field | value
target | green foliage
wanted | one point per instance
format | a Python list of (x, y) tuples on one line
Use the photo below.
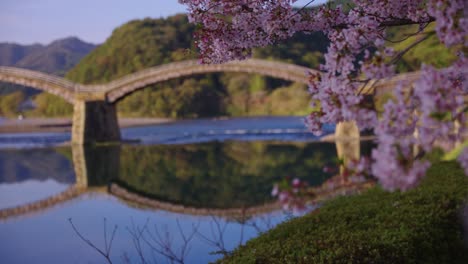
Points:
[(454, 153), (430, 51), (418, 226), (302, 49), (289, 100), (52, 106), (189, 99), (9, 103), (136, 45)]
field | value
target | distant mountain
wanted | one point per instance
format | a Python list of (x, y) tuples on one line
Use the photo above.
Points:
[(56, 58), (11, 53)]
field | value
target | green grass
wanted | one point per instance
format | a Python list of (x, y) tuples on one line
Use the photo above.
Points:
[(456, 151), (419, 226)]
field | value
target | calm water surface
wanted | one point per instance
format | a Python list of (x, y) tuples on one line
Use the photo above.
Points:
[(208, 181)]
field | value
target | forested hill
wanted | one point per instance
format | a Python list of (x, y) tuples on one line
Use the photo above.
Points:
[(140, 44), (134, 46), (144, 43)]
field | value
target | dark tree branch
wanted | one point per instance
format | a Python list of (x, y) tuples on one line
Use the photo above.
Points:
[(414, 44), (106, 252), (407, 36), (137, 234)]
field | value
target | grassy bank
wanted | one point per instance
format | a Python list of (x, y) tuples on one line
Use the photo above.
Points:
[(419, 226)]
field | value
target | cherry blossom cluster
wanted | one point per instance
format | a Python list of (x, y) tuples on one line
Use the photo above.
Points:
[(452, 20), (395, 155), (359, 170), (232, 28), (441, 105), (433, 110), (291, 195)]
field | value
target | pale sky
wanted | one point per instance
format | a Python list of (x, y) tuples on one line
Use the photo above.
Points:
[(42, 21)]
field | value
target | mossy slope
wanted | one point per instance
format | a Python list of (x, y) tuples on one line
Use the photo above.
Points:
[(419, 226)]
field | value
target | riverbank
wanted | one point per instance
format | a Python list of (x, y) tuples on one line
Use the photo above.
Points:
[(64, 124), (423, 225)]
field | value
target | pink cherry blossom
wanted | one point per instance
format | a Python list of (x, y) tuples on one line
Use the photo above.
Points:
[(357, 53)]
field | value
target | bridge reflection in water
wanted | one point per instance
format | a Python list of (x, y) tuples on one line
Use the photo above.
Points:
[(230, 179)]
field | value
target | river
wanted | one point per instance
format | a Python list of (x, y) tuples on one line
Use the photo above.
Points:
[(187, 190)]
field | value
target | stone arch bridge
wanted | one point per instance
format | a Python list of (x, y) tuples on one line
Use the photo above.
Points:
[(95, 117)]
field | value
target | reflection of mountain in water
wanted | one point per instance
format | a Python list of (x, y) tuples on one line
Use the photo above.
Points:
[(17, 165), (220, 175)]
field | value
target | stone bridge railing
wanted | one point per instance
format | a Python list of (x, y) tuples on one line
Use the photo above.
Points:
[(123, 86), (38, 206), (41, 81), (142, 201), (119, 88), (115, 90)]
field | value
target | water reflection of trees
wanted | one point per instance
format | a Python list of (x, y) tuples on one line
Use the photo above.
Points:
[(220, 175)]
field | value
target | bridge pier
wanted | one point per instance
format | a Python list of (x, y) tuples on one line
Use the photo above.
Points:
[(95, 166), (347, 138), (94, 122)]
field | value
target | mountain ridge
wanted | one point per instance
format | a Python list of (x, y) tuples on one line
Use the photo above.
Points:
[(56, 57)]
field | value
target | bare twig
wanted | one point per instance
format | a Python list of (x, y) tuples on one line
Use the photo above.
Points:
[(217, 237), (137, 234), (302, 8), (266, 220), (162, 243), (108, 245)]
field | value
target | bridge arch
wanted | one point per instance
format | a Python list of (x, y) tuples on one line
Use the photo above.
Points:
[(117, 89), (126, 85), (41, 81)]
